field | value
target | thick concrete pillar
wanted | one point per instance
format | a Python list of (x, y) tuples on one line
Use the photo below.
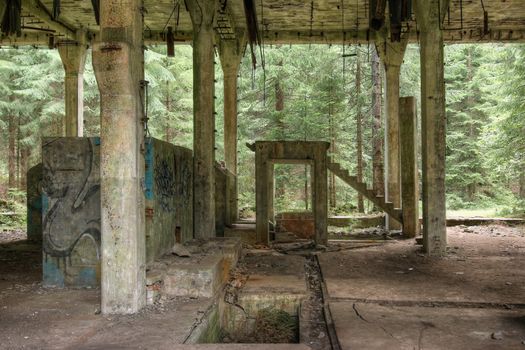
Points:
[(73, 55), (433, 124), (391, 55), (409, 172), (263, 181), (320, 196), (202, 13), (230, 53), (118, 61)]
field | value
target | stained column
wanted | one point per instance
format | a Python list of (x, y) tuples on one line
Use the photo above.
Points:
[(73, 55), (391, 55), (118, 61), (202, 13), (230, 53), (433, 124), (409, 172)]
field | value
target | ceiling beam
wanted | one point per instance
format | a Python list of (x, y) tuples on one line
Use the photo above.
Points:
[(37, 9)]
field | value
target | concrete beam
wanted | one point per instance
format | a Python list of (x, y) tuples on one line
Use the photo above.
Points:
[(409, 171), (391, 55), (118, 61), (73, 56), (202, 14), (433, 124), (37, 9)]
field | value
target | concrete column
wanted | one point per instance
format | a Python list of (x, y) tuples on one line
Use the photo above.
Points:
[(409, 172), (73, 55), (118, 61), (230, 53), (202, 13), (391, 55), (262, 192), (320, 197), (433, 124)]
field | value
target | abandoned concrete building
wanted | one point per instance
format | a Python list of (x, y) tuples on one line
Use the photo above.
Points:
[(141, 241)]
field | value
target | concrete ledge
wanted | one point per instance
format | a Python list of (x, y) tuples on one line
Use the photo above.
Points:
[(204, 273)]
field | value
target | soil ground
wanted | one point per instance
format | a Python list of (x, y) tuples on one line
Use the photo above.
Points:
[(381, 296)]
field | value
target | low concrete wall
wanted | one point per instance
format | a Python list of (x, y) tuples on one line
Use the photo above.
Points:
[(70, 205), (300, 223)]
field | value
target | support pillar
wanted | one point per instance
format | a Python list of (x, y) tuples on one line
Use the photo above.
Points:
[(433, 124), (118, 61), (391, 55), (409, 172), (230, 53), (320, 196), (73, 55), (202, 13), (263, 190)]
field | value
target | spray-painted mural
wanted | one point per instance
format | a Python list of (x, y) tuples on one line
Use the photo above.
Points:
[(71, 211)]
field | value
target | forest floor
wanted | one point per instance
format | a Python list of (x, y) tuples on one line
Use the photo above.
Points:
[(381, 296)]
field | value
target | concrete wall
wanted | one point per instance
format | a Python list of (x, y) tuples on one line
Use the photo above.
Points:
[(169, 196), (71, 211), (71, 206), (225, 194)]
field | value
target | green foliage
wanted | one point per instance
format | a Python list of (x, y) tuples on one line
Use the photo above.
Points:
[(485, 108), (13, 210)]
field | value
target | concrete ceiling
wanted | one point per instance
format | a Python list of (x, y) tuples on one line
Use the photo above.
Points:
[(280, 21)]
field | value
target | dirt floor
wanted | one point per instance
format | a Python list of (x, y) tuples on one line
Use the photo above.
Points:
[(384, 295)]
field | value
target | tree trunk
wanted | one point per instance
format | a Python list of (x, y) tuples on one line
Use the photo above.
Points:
[(18, 153), (522, 185), (359, 136), (24, 157), (12, 152), (377, 137)]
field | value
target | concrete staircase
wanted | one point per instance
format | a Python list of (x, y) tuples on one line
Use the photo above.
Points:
[(368, 193)]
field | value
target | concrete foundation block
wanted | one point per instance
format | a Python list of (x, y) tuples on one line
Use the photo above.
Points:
[(195, 279)]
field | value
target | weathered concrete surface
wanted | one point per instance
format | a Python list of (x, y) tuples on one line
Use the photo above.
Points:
[(391, 55), (269, 152), (373, 326), (246, 232), (71, 205), (204, 273), (300, 223), (34, 203), (202, 13), (118, 62), (357, 221), (71, 211), (73, 55), (275, 274), (433, 125), (230, 54), (409, 173), (484, 266), (168, 193), (221, 199)]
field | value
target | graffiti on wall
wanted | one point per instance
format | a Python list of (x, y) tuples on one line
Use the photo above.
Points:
[(71, 211), (164, 182)]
